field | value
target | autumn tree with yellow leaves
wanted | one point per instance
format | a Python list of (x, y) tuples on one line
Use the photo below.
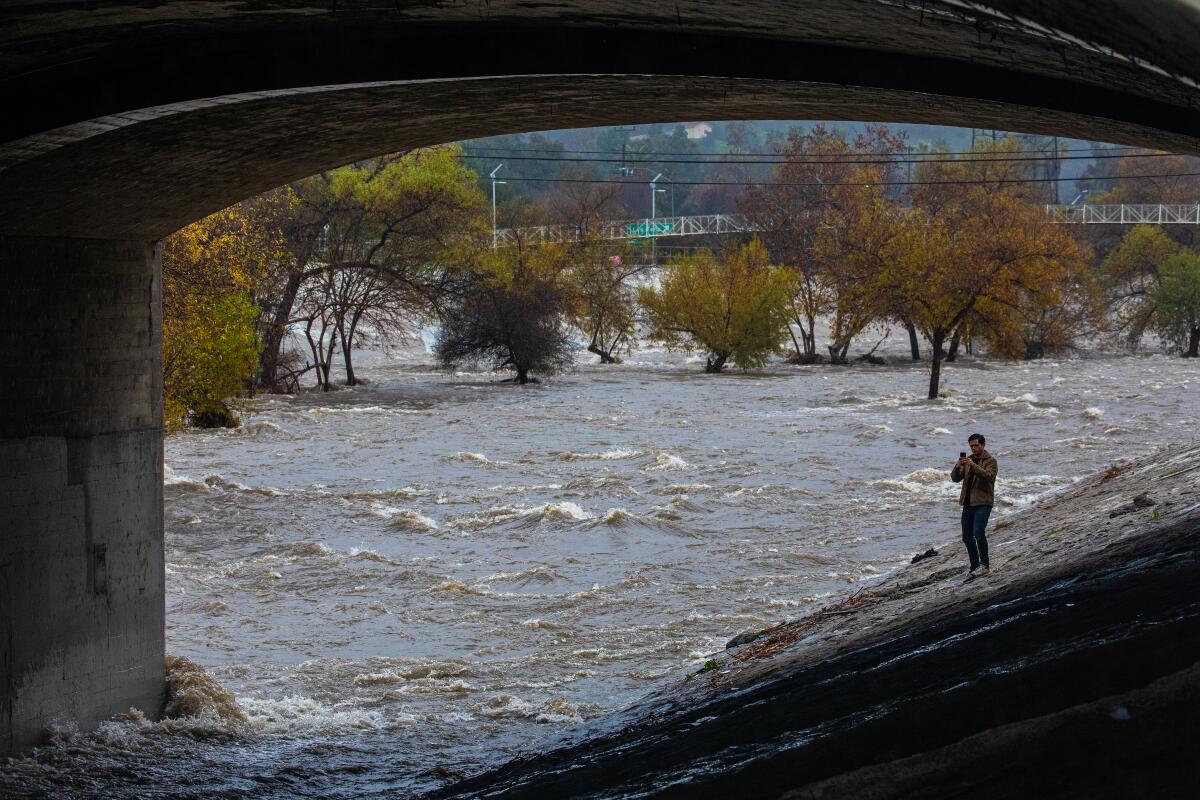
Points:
[(816, 220), (210, 340), (733, 307), (973, 249)]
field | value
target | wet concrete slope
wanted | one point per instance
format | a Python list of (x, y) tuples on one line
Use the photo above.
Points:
[(1093, 598)]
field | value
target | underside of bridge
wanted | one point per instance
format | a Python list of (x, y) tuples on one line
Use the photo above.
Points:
[(124, 122)]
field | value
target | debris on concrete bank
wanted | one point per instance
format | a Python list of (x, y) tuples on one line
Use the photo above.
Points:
[(1139, 502), (919, 557), (745, 637)]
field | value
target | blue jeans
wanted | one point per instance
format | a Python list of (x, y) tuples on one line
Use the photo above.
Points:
[(974, 520)]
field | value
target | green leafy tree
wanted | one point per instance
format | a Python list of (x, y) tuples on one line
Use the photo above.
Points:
[(1130, 277), (1177, 301), (209, 355), (606, 300), (732, 308)]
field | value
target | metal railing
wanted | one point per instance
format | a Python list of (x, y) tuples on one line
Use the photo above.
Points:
[(1125, 214), (615, 230), (718, 224)]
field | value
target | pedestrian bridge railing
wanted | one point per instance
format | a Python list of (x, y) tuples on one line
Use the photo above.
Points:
[(1126, 214), (718, 224)]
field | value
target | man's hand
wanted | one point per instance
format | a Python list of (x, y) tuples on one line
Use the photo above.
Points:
[(964, 463)]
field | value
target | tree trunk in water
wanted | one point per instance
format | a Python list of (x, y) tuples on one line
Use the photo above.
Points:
[(913, 344), (605, 357), (715, 364), (935, 372), (795, 344), (1193, 350), (327, 363), (810, 338), (837, 353), (350, 379), (805, 353), (953, 354), (522, 375), (268, 359)]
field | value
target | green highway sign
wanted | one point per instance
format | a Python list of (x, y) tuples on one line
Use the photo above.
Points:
[(649, 228)]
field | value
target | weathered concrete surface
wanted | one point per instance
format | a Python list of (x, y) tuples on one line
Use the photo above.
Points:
[(185, 107), (1082, 610), (1134, 744), (81, 561)]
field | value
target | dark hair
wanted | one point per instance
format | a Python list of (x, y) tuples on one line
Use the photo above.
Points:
[(978, 436)]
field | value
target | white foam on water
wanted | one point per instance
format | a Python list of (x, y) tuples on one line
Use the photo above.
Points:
[(928, 475), (667, 461), (348, 409), (312, 549), (403, 518), (564, 511), (173, 478), (608, 455), (299, 715), (216, 481), (617, 516), (539, 624), (477, 458), (686, 488), (1093, 413), (365, 554), (261, 428), (507, 706)]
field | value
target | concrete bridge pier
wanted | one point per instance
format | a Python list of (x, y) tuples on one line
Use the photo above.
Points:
[(81, 554)]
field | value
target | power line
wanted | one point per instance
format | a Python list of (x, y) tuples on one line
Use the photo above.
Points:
[(978, 182), (505, 150), (826, 159)]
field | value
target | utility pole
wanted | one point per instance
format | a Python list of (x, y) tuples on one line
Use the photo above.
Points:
[(1056, 183), (494, 182), (624, 131)]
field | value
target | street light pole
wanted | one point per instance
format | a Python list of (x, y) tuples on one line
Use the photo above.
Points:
[(494, 182), (653, 214)]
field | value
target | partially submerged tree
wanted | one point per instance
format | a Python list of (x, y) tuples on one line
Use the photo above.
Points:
[(210, 346), (606, 299), (855, 251), (1130, 277), (510, 315), (374, 247), (1177, 301), (600, 275), (732, 308), (974, 255), (815, 214)]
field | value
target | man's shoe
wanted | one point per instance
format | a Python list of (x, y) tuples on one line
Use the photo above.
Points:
[(985, 570)]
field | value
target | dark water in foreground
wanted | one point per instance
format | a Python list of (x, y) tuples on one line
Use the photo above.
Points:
[(414, 580)]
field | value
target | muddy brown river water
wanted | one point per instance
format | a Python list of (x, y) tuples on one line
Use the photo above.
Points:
[(414, 580)]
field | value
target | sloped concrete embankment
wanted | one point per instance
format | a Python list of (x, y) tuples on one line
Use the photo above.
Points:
[(1073, 670)]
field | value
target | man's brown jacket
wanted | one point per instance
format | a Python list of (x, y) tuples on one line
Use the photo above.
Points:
[(979, 488)]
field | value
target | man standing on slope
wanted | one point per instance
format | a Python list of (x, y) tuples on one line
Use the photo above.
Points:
[(978, 475)]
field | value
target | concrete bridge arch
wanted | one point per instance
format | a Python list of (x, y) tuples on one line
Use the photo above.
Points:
[(125, 123)]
